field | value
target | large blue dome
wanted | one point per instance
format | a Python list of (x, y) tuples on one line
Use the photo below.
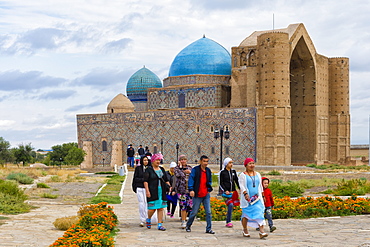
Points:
[(139, 82), (202, 57)]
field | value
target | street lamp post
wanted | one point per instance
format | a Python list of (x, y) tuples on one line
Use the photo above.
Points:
[(222, 133), (177, 151), (162, 150)]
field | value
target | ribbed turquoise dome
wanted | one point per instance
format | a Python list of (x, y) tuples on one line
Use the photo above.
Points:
[(139, 82), (202, 57)]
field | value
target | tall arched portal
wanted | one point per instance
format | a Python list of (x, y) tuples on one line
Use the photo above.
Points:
[(303, 104)]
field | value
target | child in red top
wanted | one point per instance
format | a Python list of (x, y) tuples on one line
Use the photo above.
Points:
[(269, 202)]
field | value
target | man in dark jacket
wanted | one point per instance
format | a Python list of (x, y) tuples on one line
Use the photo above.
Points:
[(130, 155), (200, 186), (141, 151)]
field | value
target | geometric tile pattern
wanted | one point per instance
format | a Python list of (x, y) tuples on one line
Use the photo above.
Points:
[(192, 129), (168, 98), (196, 79)]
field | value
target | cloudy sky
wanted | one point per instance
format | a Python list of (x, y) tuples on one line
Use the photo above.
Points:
[(62, 58)]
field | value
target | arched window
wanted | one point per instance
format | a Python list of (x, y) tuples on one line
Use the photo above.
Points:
[(251, 58), (182, 100), (104, 145), (227, 150)]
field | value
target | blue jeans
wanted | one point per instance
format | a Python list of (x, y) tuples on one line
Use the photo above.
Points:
[(131, 161), (268, 216), (230, 208), (206, 201)]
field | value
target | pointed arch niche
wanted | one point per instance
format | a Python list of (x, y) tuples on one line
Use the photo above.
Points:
[(303, 104)]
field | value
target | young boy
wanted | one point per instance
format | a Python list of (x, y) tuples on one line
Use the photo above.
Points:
[(269, 202)]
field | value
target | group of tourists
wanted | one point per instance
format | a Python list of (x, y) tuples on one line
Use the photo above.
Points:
[(189, 187), (133, 158)]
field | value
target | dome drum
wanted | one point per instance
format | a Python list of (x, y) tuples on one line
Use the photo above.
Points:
[(196, 79)]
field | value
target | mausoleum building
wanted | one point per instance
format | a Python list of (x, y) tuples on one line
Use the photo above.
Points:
[(282, 102)]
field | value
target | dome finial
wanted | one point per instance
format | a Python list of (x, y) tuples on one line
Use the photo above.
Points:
[(204, 35), (144, 65)]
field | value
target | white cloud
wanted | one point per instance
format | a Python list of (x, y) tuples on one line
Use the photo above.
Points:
[(6, 123)]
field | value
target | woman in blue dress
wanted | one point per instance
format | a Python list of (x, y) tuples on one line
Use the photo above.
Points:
[(251, 199), (155, 183)]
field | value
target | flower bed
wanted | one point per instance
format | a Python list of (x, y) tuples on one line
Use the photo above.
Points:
[(303, 207), (96, 227)]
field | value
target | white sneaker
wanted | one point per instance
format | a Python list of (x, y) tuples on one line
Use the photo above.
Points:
[(183, 224)]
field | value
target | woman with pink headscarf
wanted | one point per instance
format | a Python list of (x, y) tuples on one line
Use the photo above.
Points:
[(251, 199), (155, 183)]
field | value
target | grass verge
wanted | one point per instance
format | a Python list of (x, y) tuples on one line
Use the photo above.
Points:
[(110, 193)]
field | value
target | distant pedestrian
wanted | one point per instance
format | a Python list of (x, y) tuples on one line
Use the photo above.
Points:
[(139, 189), (251, 199), (141, 151), (200, 186), (228, 183), (148, 153), (137, 159), (171, 195), (155, 181), (130, 155), (182, 173)]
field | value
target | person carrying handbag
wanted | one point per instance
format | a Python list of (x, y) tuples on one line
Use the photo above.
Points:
[(228, 183)]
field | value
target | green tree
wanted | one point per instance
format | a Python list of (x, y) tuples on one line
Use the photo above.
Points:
[(23, 153), (75, 156), (67, 153), (5, 154)]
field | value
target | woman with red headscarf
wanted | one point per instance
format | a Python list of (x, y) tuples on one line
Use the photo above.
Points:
[(155, 183), (251, 199)]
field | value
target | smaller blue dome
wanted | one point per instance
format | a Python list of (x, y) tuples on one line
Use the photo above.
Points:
[(202, 57), (139, 82)]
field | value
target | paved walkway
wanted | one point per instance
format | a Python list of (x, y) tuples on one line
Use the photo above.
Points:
[(35, 229)]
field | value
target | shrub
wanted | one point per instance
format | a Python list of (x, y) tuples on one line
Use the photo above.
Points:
[(65, 222), (20, 178), (303, 207), (352, 187), (55, 179), (289, 189), (12, 198), (48, 195), (99, 214), (320, 207), (96, 227), (274, 172), (42, 185)]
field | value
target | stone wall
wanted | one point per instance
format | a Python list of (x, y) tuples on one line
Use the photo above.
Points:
[(191, 129)]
